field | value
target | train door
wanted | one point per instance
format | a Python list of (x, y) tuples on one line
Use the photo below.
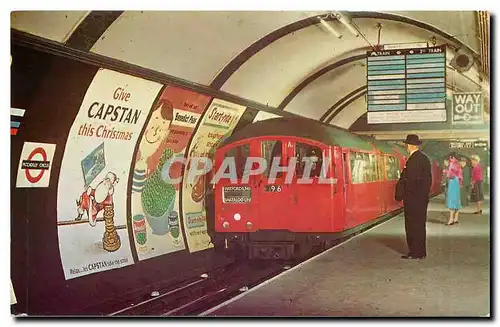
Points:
[(345, 173), (363, 197), (385, 191), (312, 197), (274, 210), (340, 172), (389, 174), (349, 219), (373, 186)]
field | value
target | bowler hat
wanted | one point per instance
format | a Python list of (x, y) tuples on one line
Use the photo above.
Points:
[(412, 139)]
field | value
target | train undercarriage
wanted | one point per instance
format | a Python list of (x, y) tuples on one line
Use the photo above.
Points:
[(276, 245)]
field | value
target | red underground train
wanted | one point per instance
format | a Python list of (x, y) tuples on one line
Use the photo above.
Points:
[(279, 220)]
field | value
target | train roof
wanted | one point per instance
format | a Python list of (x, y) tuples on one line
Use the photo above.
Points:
[(400, 149), (381, 145), (300, 127), (431, 156)]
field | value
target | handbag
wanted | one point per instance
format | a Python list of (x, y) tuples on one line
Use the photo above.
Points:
[(473, 194)]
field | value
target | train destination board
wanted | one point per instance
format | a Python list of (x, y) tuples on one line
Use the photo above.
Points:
[(407, 85)]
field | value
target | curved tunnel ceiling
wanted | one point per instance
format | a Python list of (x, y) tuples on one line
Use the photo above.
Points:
[(191, 45), (207, 47), (53, 25), (460, 24)]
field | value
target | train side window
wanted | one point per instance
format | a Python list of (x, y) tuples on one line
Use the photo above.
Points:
[(302, 151), (346, 175), (239, 155), (392, 168), (368, 168), (355, 168), (379, 174), (372, 168), (359, 165), (365, 168), (334, 168), (269, 150), (380, 165), (388, 167), (397, 171)]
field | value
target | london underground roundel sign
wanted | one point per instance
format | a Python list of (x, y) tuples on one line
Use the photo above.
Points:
[(35, 165)]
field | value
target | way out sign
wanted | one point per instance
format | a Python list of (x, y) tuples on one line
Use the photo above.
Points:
[(467, 108), (35, 165)]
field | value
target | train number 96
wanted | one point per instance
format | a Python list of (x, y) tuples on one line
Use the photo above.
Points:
[(273, 188)]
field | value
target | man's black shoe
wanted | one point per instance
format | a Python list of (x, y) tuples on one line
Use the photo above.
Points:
[(409, 256)]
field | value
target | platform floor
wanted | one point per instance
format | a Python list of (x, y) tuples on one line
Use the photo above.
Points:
[(365, 277)]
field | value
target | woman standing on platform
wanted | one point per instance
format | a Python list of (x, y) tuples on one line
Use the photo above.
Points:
[(455, 178), (466, 186), (477, 184)]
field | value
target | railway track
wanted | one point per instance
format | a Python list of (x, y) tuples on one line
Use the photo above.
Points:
[(193, 296)]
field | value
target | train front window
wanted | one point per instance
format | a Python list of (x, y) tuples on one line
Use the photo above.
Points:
[(239, 155), (271, 149)]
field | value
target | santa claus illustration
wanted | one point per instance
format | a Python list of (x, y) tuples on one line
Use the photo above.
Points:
[(93, 201)]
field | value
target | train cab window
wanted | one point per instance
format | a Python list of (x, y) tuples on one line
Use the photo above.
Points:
[(270, 150), (240, 155), (302, 151)]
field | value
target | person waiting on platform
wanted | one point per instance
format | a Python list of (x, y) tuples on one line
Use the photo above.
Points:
[(455, 179), (416, 181), (477, 184), (466, 185)]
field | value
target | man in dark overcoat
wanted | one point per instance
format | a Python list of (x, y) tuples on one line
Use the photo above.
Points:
[(417, 183)]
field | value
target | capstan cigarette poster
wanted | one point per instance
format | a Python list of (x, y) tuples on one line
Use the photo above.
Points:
[(155, 215), (217, 124), (92, 189)]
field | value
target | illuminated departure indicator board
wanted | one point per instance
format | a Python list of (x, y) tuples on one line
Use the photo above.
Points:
[(406, 85)]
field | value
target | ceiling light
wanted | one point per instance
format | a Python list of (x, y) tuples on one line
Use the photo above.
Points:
[(347, 23), (329, 27)]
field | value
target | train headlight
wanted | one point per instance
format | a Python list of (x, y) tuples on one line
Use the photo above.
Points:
[(237, 216), (249, 225), (225, 224)]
